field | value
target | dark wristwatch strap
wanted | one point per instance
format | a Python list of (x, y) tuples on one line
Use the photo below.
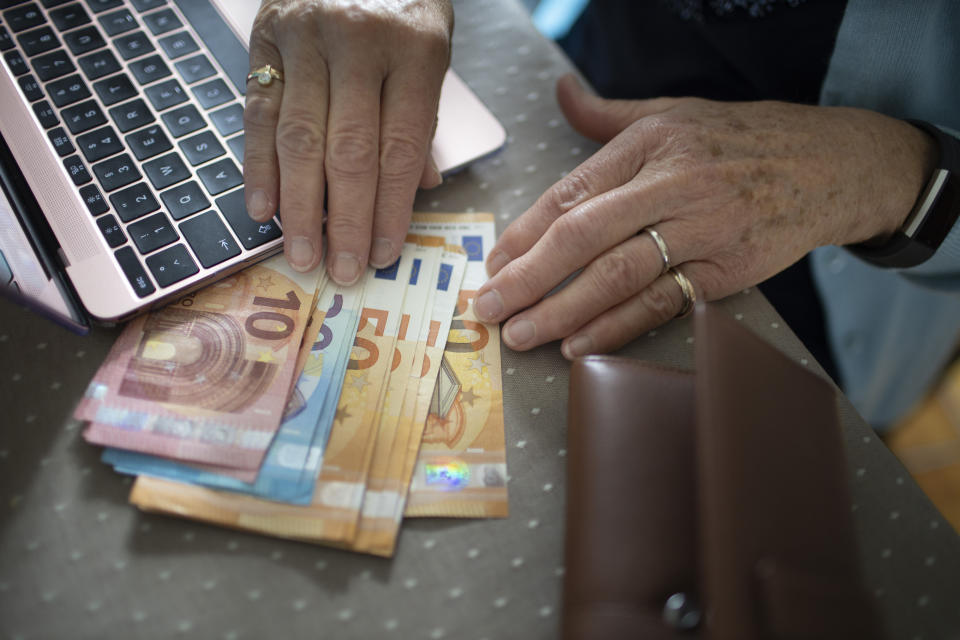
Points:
[(933, 216)]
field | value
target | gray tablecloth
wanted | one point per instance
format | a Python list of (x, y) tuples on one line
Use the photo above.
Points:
[(76, 561)]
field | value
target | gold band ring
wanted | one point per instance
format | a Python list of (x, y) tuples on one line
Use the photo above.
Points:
[(686, 288), (265, 75), (661, 247)]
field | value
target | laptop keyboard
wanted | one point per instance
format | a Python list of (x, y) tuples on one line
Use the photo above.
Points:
[(146, 127)]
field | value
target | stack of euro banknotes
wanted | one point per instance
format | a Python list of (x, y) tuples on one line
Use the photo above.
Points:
[(285, 404)]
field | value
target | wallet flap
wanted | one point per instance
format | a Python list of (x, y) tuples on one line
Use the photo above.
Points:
[(799, 603), (773, 481), (630, 522)]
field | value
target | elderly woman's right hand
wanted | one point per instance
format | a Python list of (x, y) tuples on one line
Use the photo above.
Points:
[(353, 119)]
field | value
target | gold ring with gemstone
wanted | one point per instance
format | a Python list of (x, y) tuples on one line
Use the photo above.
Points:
[(686, 288), (265, 75)]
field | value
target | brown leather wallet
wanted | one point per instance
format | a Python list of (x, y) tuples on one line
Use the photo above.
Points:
[(709, 504)]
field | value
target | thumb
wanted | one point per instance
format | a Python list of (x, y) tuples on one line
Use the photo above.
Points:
[(598, 118)]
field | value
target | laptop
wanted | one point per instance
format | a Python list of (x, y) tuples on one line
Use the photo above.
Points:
[(121, 151)]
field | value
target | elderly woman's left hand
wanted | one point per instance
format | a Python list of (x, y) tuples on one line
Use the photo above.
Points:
[(737, 191)]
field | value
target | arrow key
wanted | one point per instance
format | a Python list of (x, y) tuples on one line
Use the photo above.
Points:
[(209, 238)]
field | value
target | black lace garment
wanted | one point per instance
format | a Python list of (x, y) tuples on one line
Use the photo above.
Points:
[(696, 9), (720, 49)]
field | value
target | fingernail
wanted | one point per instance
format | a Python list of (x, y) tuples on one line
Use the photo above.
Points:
[(346, 268), (382, 253), (258, 205), (489, 306), (519, 333), (434, 179), (576, 347), (496, 261), (300, 253)]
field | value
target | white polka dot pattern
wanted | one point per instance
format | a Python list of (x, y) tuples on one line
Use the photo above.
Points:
[(77, 561)]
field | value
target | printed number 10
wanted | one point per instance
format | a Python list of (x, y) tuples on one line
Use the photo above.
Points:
[(292, 303)]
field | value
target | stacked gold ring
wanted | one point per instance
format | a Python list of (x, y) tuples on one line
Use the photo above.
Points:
[(686, 288)]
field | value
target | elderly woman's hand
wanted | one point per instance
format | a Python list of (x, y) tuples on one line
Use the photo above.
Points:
[(353, 119), (736, 191)]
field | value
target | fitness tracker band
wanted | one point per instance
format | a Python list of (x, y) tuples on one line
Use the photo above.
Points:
[(932, 217)]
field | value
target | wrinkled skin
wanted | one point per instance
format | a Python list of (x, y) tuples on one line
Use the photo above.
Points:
[(738, 191), (351, 121)]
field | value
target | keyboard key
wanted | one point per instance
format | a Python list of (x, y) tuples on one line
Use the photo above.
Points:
[(132, 115), (23, 18), (228, 120), (220, 176), (94, 200), (46, 115), (52, 65), (50, 4), (209, 239), (83, 117), (196, 68), (30, 87), (6, 42), (99, 144), (61, 141), (152, 233), (165, 94), (111, 231), (184, 200), (84, 40), (251, 234), (102, 5), (237, 146), (70, 16), (148, 142), (134, 271), (38, 41), (166, 171), (184, 120), (99, 64), (147, 5), (118, 171), (16, 63), (118, 22), (202, 147), (115, 89), (133, 45), (68, 90), (172, 265), (178, 44), (147, 70), (162, 21), (213, 93), (77, 170), (134, 202)]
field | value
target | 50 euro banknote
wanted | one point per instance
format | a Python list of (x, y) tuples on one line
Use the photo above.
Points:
[(460, 469), (390, 475), (206, 379)]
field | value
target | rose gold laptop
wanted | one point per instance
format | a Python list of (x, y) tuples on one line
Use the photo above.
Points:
[(121, 149)]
